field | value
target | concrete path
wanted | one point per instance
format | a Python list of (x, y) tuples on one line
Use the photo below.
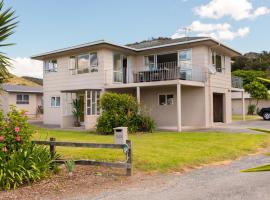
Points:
[(209, 183), (237, 127)]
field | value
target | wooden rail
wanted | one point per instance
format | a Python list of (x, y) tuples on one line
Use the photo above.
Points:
[(127, 148)]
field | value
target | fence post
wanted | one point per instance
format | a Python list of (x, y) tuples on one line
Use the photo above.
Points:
[(129, 160), (52, 147)]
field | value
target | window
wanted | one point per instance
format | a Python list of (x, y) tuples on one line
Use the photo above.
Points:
[(165, 99), (218, 61), (55, 102), (117, 68), (185, 59), (149, 62), (83, 63), (50, 66), (22, 99), (93, 102)]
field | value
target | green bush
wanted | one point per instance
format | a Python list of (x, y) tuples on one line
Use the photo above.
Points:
[(122, 110), (251, 109), (20, 160)]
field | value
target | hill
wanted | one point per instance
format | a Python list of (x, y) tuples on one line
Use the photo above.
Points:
[(15, 80), (38, 81)]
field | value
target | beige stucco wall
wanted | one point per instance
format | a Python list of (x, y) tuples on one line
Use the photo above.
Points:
[(51, 115), (4, 101)]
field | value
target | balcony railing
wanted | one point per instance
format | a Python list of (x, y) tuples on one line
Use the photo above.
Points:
[(169, 71), (237, 82)]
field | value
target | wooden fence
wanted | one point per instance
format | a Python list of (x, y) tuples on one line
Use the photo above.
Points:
[(127, 149)]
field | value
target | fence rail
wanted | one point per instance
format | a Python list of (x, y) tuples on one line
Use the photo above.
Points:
[(127, 149)]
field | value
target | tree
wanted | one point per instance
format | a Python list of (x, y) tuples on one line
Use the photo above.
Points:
[(256, 90), (248, 76), (7, 26)]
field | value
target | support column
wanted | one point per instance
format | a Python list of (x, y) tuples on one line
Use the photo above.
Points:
[(178, 99), (243, 106), (138, 93)]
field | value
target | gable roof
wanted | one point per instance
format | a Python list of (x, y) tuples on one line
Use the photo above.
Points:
[(22, 88), (139, 46)]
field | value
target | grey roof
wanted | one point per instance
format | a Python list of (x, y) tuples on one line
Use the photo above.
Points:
[(21, 88), (162, 41)]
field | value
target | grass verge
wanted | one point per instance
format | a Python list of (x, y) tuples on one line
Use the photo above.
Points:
[(260, 130), (162, 151), (248, 117)]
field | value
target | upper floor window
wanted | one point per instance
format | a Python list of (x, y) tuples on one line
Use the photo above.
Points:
[(218, 61), (22, 99), (50, 66), (55, 102), (150, 62), (84, 63), (185, 59)]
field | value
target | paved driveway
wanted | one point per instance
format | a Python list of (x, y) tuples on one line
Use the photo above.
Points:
[(209, 183), (238, 126)]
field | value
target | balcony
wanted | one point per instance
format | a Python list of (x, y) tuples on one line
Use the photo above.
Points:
[(237, 82), (169, 71)]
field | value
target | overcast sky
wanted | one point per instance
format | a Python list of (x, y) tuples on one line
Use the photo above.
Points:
[(53, 24)]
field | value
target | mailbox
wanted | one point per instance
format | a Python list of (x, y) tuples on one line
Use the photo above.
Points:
[(120, 135)]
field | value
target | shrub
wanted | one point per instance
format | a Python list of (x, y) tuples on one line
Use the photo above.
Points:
[(122, 110), (20, 160), (251, 109)]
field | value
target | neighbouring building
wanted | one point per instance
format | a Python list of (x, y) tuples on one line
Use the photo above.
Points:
[(183, 82), (237, 102), (28, 98)]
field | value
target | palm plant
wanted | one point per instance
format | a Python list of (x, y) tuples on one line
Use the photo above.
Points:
[(7, 25), (76, 111)]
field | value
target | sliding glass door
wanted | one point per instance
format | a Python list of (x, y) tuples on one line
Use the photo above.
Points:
[(119, 68)]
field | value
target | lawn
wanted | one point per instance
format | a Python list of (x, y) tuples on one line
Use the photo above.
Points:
[(162, 151), (248, 117)]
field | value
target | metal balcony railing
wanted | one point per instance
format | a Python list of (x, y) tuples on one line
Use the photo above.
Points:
[(169, 71), (237, 82)]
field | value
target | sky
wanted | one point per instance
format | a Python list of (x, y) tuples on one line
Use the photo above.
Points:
[(52, 24)]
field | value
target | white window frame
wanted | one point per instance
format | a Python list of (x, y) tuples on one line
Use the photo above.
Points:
[(148, 67), (223, 61), (23, 101), (55, 104), (89, 106), (166, 99), (121, 71), (50, 66), (73, 67), (189, 61)]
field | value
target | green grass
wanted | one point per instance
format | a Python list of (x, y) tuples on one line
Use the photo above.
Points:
[(162, 151), (248, 117)]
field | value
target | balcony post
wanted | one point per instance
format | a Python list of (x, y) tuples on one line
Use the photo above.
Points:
[(243, 106), (178, 99), (138, 93)]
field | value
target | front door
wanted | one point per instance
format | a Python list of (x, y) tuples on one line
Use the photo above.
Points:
[(81, 100), (218, 107)]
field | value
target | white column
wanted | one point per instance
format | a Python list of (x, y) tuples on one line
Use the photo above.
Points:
[(178, 99), (138, 92), (243, 106)]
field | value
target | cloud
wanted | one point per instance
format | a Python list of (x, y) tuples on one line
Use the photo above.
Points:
[(218, 31), (236, 9), (23, 66)]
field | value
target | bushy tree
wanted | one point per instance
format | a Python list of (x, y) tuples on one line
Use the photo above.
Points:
[(256, 90), (122, 110), (248, 76)]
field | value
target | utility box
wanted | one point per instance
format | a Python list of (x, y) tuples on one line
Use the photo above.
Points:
[(120, 135)]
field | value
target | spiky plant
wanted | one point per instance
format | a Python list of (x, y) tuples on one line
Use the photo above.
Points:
[(7, 25)]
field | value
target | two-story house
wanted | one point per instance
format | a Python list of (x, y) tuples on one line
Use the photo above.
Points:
[(183, 82)]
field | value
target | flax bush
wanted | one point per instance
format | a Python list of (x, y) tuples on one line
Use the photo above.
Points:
[(20, 161), (123, 110)]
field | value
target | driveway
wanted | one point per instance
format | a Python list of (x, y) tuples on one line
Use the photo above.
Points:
[(209, 183), (237, 127)]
